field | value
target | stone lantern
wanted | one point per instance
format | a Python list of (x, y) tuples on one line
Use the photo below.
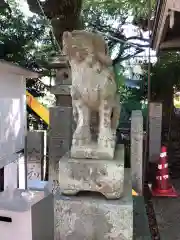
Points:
[(62, 81)]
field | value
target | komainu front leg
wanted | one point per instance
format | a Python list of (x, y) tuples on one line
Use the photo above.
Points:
[(82, 135), (106, 138)]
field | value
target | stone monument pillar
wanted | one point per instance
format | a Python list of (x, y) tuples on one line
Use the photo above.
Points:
[(35, 155), (155, 127), (93, 164), (137, 150)]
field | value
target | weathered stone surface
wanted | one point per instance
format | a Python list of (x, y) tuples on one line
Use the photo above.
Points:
[(106, 177), (34, 171), (61, 89), (137, 149), (35, 154), (94, 125), (93, 89), (60, 132), (59, 135), (90, 218), (155, 127), (63, 75), (64, 100), (35, 146), (94, 151)]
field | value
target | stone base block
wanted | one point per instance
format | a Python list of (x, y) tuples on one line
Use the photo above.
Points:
[(94, 218), (93, 151), (106, 177), (26, 217)]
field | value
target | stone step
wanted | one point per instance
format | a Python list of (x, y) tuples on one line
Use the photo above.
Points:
[(94, 217)]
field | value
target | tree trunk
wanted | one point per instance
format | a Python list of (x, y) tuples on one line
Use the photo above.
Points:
[(65, 15)]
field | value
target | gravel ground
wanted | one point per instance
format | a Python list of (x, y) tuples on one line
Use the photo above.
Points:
[(153, 225), (167, 212)]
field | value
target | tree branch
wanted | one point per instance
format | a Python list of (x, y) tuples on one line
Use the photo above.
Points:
[(138, 38), (120, 58)]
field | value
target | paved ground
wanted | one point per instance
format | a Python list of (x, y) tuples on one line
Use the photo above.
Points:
[(140, 224), (168, 215)]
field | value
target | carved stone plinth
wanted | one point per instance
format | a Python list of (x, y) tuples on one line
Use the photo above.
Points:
[(89, 218), (106, 177), (93, 151)]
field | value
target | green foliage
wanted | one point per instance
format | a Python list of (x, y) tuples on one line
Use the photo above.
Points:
[(116, 6), (18, 35), (25, 42), (112, 8), (101, 16), (131, 105), (141, 7), (164, 75), (28, 42), (119, 77), (109, 18)]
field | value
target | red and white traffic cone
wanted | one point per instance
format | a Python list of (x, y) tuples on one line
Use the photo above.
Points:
[(162, 186)]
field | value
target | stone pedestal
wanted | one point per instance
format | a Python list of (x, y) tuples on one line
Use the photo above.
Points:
[(93, 151), (92, 217), (90, 167), (23, 218), (106, 177)]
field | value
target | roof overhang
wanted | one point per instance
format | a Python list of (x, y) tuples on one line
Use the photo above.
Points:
[(162, 24), (8, 67)]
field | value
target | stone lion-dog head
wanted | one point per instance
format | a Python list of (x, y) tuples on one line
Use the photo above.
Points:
[(79, 44)]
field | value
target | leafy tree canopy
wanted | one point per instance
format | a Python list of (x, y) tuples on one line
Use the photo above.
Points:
[(29, 41)]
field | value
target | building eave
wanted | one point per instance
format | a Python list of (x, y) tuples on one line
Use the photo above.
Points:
[(12, 68), (162, 27), (159, 23)]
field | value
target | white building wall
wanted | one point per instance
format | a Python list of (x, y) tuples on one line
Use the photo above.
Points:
[(12, 116)]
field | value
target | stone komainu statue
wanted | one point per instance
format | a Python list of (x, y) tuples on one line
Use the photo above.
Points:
[(93, 89)]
